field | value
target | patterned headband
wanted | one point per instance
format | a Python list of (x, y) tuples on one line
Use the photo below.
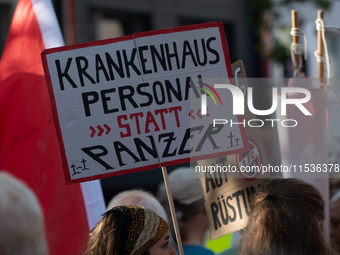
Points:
[(139, 228)]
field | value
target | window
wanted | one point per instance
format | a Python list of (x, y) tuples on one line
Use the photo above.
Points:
[(5, 22), (110, 24)]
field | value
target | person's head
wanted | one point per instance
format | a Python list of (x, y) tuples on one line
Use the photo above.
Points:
[(21, 219), (138, 197), (334, 215), (130, 230), (187, 193), (286, 218)]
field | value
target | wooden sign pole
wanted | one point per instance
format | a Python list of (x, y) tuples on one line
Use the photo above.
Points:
[(295, 24), (320, 49), (172, 210)]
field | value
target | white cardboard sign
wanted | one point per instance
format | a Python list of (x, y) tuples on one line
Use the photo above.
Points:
[(133, 103)]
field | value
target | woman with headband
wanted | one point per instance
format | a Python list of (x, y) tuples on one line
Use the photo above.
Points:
[(130, 230), (287, 217)]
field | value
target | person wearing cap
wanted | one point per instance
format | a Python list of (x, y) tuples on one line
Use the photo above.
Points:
[(187, 192), (130, 230)]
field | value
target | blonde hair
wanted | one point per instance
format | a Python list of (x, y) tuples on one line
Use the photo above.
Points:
[(125, 230), (104, 238)]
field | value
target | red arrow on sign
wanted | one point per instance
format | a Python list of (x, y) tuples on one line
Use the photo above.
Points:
[(198, 113), (190, 114), (101, 131), (93, 131), (107, 128)]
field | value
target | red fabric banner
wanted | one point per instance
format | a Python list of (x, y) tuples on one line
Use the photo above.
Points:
[(28, 142)]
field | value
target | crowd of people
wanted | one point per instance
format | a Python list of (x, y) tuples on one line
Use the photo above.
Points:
[(287, 216)]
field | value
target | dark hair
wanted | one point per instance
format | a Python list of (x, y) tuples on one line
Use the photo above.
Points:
[(285, 220)]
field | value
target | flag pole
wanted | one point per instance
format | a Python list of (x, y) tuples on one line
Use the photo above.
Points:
[(172, 210), (320, 49), (296, 39)]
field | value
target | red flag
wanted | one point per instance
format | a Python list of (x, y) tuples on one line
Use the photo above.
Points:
[(28, 142)]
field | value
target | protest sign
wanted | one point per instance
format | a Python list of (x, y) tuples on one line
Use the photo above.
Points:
[(127, 104), (229, 211), (228, 182)]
